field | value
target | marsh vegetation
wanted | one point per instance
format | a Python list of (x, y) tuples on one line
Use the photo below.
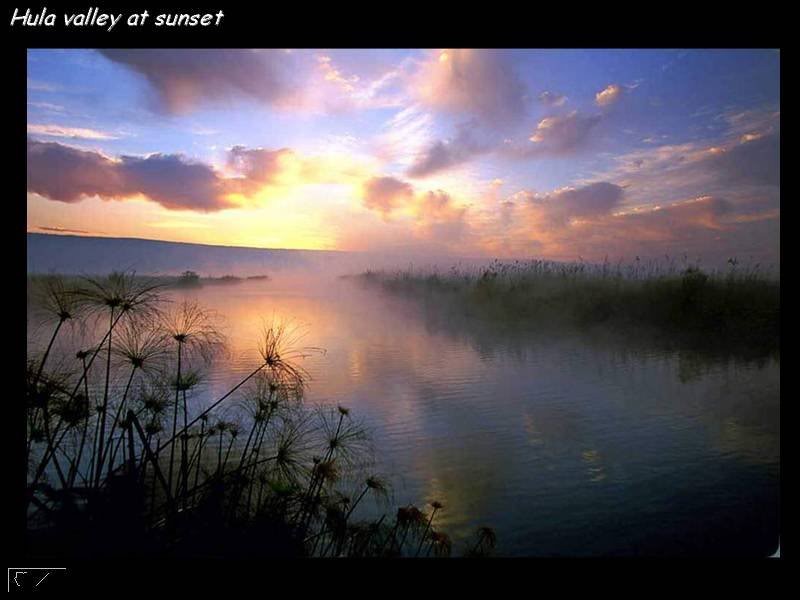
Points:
[(123, 460), (736, 309)]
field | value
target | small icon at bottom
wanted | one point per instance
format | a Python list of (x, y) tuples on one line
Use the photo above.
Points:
[(29, 579)]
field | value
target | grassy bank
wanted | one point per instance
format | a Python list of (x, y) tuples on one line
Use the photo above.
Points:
[(187, 279), (736, 306)]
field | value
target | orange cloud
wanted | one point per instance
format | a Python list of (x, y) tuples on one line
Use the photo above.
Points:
[(386, 194), (250, 175), (608, 95)]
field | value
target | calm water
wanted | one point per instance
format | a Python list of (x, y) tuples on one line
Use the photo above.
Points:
[(566, 444)]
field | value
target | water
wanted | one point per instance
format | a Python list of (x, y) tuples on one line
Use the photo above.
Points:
[(565, 443)]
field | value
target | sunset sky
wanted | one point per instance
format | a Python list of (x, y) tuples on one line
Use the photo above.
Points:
[(555, 154)]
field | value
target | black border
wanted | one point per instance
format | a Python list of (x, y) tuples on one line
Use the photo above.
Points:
[(303, 25)]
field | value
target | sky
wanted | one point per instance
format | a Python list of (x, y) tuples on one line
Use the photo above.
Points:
[(553, 154)]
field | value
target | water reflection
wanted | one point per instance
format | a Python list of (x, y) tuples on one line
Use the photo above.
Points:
[(564, 442)]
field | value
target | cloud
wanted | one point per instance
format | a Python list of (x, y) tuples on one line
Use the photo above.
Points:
[(427, 217), (419, 223), (41, 86), (405, 135), (442, 155), (609, 95), (479, 89), (754, 160), (257, 166), (174, 182), (70, 132), (63, 230), (68, 174), (331, 73), (439, 217), (185, 79), (478, 83), (386, 194), (590, 221), (249, 176), (47, 106), (561, 134), (742, 167), (693, 226), (716, 198), (552, 99), (559, 207), (667, 221)]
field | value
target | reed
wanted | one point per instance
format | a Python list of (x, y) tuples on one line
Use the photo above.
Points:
[(733, 307), (119, 453)]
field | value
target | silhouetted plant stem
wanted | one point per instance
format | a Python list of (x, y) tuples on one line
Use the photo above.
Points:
[(403, 539), (257, 453), (427, 528), (185, 446), (354, 504), (174, 419), (219, 453), (52, 445), (131, 448), (154, 460), (48, 454), (315, 488), (217, 403), (228, 451), (104, 409), (358, 549), (94, 355), (85, 425), (47, 352), (243, 457), (200, 451), (258, 500), (120, 410)]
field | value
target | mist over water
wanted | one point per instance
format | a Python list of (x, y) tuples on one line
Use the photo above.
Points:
[(566, 442)]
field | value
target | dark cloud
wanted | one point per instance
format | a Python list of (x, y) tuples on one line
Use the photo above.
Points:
[(68, 174), (62, 230), (184, 79), (591, 201), (386, 194), (173, 182), (563, 134), (754, 162), (442, 155), (674, 220)]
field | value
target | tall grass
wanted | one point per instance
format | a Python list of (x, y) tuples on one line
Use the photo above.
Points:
[(122, 459), (732, 306)]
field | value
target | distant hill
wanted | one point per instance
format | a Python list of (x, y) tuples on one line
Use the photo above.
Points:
[(77, 254)]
